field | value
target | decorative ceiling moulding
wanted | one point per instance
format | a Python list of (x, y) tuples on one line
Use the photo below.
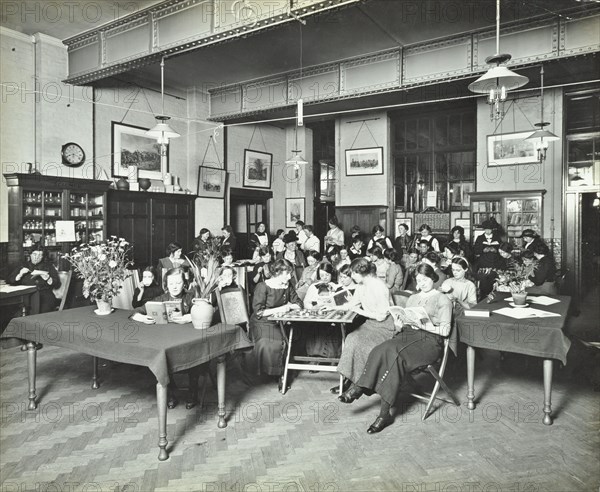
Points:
[(182, 23), (437, 60), (384, 66), (126, 43), (264, 95), (579, 35), (314, 84), (303, 8)]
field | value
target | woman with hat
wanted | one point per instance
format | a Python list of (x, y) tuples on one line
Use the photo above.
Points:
[(488, 259), (530, 239), (292, 254), (425, 231), (543, 276)]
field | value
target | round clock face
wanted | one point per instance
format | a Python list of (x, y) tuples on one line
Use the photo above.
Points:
[(72, 154)]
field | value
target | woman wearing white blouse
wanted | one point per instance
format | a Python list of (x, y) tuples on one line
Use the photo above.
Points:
[(460, 290), (334, 236)]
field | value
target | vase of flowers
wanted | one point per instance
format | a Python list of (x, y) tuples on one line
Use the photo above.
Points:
[(516, 280), (205, 280), (103, 267)]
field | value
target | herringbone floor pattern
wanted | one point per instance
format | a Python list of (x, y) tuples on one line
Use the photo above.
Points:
[(106, 439)]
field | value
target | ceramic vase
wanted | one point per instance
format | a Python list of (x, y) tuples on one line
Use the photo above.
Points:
[(145, 184), (104, 306), (122, 184), (520, 299), (202, 314)]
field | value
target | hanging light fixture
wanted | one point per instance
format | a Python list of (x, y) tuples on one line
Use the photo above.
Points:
[(297, 160), (162, 132), (541, 137), (498, 80)]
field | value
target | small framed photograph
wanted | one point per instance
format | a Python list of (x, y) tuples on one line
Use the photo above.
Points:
[(211, 182), (466, 225), (511, 148), (131, 147), (258, 169), (364, 162), (294, 211), (403, 220)]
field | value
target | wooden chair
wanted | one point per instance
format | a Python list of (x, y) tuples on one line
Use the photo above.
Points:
[(559, 279), (439, 381), (63, 291), (233, 307)]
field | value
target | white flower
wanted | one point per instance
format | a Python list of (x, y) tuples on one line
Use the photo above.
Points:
[(112, 263)]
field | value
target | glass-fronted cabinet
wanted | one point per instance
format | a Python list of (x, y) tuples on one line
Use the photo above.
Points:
[(514, 211), (36, 203)]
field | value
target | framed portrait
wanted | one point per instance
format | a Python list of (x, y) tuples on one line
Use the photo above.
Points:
[(294, 211), (466, 225), (131, 147), (258, 169), (364, 162), (211, 182), (402, 220), (510, 148)]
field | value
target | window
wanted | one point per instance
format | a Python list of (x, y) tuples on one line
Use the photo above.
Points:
[(327, 181)]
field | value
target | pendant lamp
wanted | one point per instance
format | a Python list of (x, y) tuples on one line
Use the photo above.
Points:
[(162, 132), (498, 80), (542, 137)]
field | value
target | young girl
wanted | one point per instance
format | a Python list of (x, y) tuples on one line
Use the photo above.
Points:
[(393, 276), (262, 270), (451, 251), (425, 231), (459, 289), (344, 258), (376, 257), (259, 239), (357, 250), (148, 289), (278, 244), (379, 239), (334, 236), (309, 274)]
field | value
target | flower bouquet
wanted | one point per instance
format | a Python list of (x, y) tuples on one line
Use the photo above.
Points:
[(514, 280), (103, 267)]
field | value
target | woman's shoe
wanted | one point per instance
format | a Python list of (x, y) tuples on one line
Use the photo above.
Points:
[(379, 424), (336, 389), (172, 402), (348, 396)]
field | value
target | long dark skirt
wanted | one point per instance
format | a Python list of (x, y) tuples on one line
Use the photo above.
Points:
[(392, 361), (268, 355)]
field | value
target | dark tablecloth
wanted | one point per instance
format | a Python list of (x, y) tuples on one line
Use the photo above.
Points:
[(540, 337), (161, 348)]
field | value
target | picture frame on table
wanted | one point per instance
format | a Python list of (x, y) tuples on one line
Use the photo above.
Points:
[(364, 162), (130, 146), (403, 220), (294, 211), (511, 148), (466, 225), (258, 169), (211, 182)]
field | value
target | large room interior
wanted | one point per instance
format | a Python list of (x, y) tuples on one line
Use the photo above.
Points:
[(368, 112)]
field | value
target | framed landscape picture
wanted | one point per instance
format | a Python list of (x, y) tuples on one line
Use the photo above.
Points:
[(131, 147), (258, 169), (510, 148), (211, 182), (294, 211), (364, 162)]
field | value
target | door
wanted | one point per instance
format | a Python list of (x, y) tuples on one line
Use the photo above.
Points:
[(246, 214), (171, 223), (590, 241)]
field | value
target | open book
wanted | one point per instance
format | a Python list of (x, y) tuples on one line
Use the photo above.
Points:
[(164, 312), (413, 316)]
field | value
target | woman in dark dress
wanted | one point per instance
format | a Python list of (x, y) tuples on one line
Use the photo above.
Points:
[(390, 363), (457, 236), (201, 242), (292, 254), (38, 271), (260, 239), (148, 289), (544, 273), (229, 239), (275, 295)]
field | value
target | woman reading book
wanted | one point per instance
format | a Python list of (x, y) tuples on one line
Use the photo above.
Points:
[(415, 343)]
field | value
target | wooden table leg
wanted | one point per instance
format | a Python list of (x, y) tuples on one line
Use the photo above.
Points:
[(221, 391), (31, 363), (95, 384), (287, 360), (470, 378), (343, 326), (547, 391), (161, 401)]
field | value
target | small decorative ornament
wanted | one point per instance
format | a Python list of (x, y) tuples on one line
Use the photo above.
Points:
[(122, 184), (167, 179), (145, 184)]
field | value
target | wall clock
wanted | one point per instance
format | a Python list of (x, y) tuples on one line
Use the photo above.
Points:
[(72, 154)]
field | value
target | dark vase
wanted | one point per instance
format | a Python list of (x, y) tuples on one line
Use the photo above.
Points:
[(144, 183), (122, 184)]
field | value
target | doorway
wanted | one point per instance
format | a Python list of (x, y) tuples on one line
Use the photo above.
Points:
[(590, 241), (247, 209)]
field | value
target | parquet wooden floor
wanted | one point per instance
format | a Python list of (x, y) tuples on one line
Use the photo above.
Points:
[(106, 439)]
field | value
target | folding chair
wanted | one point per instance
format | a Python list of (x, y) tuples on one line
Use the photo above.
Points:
[(449, 342)]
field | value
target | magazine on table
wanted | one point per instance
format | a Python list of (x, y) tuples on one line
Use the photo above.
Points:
[(416, 317), (164, 312)]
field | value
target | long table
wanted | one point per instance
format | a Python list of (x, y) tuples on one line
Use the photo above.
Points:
[(301, 318), (17, 294), (164, 349), (537, 337)]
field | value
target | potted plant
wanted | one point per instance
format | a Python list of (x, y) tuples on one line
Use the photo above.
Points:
[(205, 270), (516, 280), (103, 266)]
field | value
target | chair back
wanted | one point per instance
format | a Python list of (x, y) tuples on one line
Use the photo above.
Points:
[(232, 306), (62, 292), (124, 299), (559, 279)]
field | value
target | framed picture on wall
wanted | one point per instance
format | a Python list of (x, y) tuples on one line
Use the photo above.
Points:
[(511, 148), (211, 182), (294, 211), (364, 162), (131, 147), (258, 169), (398, 222)]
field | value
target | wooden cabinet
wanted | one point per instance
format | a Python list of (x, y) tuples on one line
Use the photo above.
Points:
[(514, 211), (36, 203), (150, 221)]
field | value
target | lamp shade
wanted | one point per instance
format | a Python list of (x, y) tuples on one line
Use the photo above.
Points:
[(498, 77), (543, 135), (161, 131), (296, 159)]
